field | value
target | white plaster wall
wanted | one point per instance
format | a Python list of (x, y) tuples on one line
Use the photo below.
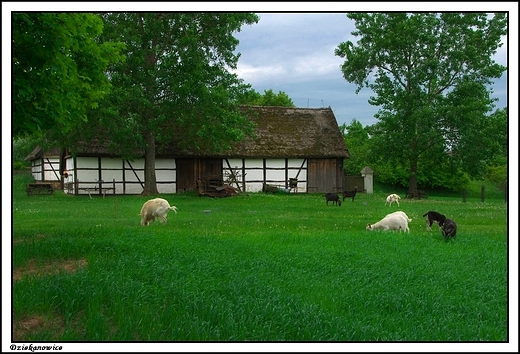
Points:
[(275, 176), (36, 169), (48, 166), (169, 188), (254, 175), (111, 169), (254, 163)]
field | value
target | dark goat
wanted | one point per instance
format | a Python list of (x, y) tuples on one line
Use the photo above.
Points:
[(334, 198), (350, 194), (449, 228)]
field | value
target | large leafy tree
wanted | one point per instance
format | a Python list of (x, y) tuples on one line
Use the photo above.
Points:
[(175, 84), (497, 170), (59, 69), (358, 143), (430, 74)]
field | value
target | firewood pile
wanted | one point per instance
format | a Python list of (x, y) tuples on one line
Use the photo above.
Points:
[(214, 187)]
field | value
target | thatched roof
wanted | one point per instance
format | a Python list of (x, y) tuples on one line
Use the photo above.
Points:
[(284, 132), (38, 152), (281, 132)]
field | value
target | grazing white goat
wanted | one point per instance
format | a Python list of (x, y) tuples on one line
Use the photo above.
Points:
[(391, 222), (155, 208), (400, 213), (393, 198)]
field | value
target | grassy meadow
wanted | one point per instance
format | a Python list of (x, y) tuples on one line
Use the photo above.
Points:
[(255, 267)]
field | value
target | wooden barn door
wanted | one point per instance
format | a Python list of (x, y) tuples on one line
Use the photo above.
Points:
[(189, 170), (324, 175), (209, 168), (185, 175)]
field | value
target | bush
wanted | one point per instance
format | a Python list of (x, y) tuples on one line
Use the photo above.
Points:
[(18, 166)]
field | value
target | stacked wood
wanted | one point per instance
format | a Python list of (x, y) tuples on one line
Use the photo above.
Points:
[(215, 188)]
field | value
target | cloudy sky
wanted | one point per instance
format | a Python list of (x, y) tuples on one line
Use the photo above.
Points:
[(294, 53)]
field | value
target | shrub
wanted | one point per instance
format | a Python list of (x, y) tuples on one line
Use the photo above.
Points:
[(18, 166)]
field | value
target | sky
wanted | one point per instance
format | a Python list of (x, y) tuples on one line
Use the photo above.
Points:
[(294, 53)]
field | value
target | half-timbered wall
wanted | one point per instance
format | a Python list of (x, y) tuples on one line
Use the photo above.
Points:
[(46, 169), (251, 174), (126, 176), (36, 169)]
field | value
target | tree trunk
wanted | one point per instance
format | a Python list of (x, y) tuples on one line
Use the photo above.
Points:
[(412, 184), (150, 181)]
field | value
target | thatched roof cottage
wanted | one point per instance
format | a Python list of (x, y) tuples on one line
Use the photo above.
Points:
[(291, 143)]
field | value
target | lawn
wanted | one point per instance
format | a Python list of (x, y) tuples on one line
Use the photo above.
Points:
[(256, 267)]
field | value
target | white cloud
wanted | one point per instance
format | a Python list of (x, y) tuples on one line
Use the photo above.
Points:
[(323, 64), (294, 53), (259, 74)]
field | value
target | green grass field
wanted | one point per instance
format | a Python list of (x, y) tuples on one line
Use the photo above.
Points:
[(256, 267)]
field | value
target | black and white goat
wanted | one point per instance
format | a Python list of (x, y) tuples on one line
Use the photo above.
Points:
[(434, 216)]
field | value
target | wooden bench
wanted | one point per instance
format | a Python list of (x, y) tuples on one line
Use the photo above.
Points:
[(39, 188)]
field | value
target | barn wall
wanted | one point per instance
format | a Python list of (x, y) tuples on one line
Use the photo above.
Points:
[(46, 169), (189, 170), (177, 175), (36, 169), (51, 167), (126, 176), (325, 175), (166, 175), (251, 174)]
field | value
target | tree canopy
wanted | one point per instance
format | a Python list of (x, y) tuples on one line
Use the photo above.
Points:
[(175, 84), (59, 70), (430, 74), (357, 140), (269, 98)]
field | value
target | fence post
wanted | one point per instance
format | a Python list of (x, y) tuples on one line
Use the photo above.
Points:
[(464, 195), (482, 192)]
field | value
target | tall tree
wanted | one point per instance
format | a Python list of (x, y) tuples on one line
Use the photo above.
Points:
[(430, 73), (357, 139), (58, 70), (176, 83)]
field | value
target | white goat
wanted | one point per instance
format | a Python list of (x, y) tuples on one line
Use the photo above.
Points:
[(393, 198), (400, 213), (155, 208), (391, 222)]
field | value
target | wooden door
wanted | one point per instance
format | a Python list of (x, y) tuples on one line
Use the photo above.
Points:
[(190, 170), (186, 178), (324, 175)]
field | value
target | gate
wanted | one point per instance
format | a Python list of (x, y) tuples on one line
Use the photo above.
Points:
[(352, 181)]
